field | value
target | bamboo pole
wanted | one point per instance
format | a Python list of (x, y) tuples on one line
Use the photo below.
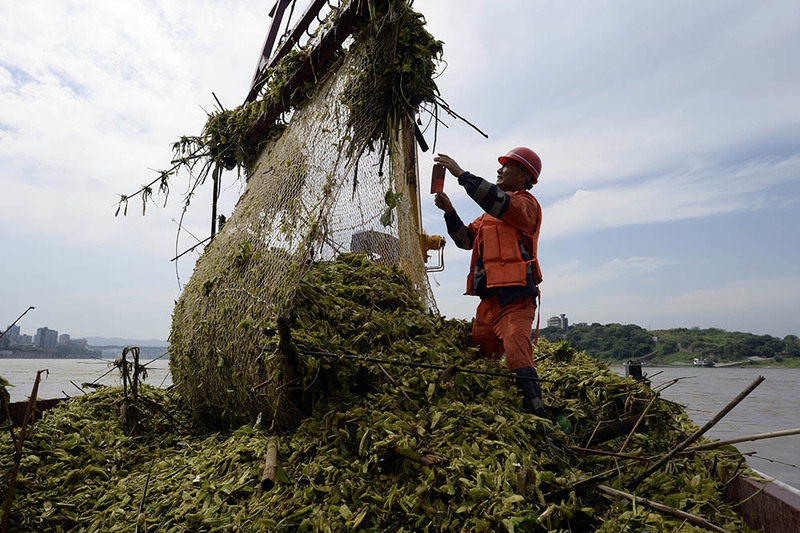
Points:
[(270, 467), (683, 515), (697, 434), (759, 436)]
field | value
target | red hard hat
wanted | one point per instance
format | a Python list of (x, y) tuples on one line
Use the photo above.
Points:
[(527, 158)]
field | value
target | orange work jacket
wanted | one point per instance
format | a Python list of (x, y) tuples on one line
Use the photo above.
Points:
[(497, 242)]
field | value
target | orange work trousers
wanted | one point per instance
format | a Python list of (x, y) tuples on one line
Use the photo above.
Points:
[(505, 329)]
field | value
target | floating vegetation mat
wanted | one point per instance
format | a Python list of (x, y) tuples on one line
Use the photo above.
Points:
[(381, 446)]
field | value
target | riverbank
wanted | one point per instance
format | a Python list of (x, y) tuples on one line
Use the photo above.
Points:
[(687, 360), (752, 363)]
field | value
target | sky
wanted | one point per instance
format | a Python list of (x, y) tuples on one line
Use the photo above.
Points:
[(669, 134)]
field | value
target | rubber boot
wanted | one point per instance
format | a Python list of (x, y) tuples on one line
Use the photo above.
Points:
[(530, 390)]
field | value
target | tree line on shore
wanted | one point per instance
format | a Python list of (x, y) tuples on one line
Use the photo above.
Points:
[(59, 351), (623, 342)]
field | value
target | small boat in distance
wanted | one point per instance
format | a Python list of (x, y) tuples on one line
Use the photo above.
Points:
[(701, 361)]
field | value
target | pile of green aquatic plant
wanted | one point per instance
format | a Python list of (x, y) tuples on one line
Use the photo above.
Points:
[(431, 438), (348, 306)]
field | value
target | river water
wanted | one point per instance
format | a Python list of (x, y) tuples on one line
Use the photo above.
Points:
[(65, 376), (772, 406)]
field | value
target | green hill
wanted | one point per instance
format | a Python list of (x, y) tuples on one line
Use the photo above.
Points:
[(623, 342)]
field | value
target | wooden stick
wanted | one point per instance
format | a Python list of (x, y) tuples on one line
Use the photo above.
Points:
[(759, 436), (691, 518), (286, 346), (388, 375), (697, 434), (270, 467), (636, 426)]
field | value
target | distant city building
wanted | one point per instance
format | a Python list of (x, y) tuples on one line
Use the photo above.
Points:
[(46, 338), (78, 343), (10, 338), (560, 322)]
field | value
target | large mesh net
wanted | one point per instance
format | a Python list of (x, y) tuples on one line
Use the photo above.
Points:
[(321, 188)]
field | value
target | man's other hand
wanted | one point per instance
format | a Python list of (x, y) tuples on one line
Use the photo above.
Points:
[(443, 202)]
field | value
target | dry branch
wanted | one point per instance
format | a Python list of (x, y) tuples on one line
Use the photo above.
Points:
[(691, 518), (697, 434), (759, 436), (270, 467)]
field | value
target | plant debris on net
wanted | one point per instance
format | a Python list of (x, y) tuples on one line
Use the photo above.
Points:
[(339, 177), (387, 447)]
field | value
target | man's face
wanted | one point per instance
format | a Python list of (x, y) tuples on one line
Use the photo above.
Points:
[(512, 176)]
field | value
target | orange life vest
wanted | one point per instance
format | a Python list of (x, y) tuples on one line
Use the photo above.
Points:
[(498, 243)]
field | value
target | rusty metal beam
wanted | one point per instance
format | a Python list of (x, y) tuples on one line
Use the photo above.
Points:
[(291, 40), (277, 15), (316, 62)]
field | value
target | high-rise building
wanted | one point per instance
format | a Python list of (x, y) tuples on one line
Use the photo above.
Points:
[(560, 322), (46, 338), (10, 338)]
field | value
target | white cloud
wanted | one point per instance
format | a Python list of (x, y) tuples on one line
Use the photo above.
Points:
[(574, 277), (695, 193), (89, 119)]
